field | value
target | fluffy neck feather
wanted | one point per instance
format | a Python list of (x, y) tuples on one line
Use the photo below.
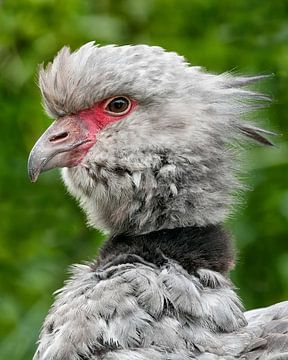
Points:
[(140, 192)]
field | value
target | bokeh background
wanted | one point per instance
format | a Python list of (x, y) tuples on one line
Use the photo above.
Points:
[(42, 230)]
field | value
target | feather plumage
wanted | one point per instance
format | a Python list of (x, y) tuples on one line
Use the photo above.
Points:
[(160, 181)]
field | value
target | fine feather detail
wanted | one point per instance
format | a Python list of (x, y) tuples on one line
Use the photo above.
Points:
[(158, 308), (257, 134)]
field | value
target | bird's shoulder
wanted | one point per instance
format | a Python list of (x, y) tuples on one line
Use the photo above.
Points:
[(137, 305), (269, 327)]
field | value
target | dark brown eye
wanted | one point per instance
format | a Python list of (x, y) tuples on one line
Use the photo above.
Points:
[(119, 105)]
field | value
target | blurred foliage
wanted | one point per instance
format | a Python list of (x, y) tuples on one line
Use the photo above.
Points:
[(42, 230)]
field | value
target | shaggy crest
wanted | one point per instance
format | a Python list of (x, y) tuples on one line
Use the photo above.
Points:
[(75, 81)]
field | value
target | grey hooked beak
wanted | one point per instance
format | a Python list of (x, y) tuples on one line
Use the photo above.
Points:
[(59, 146)]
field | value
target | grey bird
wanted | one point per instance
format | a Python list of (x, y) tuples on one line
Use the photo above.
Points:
[(148, 147)]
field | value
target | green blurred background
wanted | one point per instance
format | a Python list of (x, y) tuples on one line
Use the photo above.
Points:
[(42, 230)]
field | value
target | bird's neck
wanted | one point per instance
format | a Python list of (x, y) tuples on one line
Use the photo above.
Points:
[(145, 191), (192, 247)]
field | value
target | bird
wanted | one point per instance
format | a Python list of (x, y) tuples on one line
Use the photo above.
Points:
[(149, 146)]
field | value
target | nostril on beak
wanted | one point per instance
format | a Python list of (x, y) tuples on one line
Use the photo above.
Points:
[(59, 137)]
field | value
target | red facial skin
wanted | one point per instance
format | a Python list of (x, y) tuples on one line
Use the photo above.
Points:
[(95, 119), (66, 142)]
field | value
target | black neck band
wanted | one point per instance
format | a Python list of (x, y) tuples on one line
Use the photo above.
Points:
[(193, 247)]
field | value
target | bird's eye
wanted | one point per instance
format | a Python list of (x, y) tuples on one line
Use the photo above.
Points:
[(118, 105)]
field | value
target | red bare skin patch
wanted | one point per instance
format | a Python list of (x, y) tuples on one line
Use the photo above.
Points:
[(97, 116), (95, 119), (66, 142)]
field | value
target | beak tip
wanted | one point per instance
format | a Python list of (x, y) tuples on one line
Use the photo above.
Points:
[(33, 168), (33, 174), (34, 165)]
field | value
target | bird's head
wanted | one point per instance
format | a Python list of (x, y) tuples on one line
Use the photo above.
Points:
[(144, 138)]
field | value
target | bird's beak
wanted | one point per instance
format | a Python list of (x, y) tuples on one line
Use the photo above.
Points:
[(63, 144)]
